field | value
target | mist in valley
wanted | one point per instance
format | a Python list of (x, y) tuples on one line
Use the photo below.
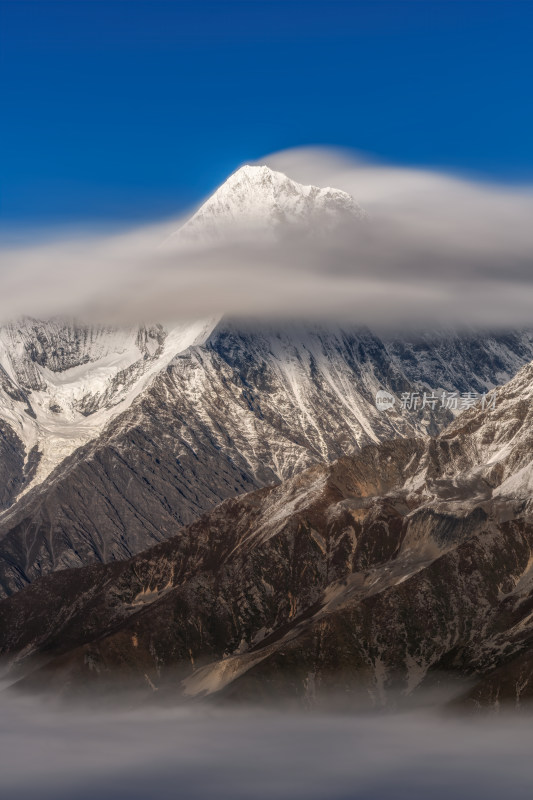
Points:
[(247, 753)]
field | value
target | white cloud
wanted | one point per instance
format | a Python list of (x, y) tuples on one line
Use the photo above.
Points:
[(436, 250)]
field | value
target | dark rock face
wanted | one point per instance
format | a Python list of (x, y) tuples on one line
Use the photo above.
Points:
[(247, 408), (11, 465), (221, 420), (275, 543), (465, 361), (377, 573), (112, 498)]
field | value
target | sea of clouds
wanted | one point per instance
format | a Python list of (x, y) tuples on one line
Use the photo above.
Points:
[(201, 753)]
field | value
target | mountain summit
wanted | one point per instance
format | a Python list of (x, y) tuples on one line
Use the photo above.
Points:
[(258, 198)]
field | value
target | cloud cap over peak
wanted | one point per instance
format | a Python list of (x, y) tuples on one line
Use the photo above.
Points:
[(433, 249)]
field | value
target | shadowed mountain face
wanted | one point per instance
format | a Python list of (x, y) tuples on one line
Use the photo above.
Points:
[(243, 409), (11, 465), (375, 573)]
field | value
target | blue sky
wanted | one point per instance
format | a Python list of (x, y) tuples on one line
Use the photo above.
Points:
[(129, 111)]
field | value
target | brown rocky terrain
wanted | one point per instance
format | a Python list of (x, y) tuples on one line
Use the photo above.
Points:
[(380, 572)]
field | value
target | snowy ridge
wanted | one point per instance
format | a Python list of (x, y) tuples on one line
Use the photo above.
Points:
[(498, 446), (62, 395)]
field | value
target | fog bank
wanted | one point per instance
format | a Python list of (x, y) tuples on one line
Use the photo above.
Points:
[(203, 753)]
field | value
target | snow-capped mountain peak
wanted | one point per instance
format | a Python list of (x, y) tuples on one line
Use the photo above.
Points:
[(259, 198)]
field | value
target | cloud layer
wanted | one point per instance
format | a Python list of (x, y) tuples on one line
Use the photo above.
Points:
[(435, 250), (251, 754)]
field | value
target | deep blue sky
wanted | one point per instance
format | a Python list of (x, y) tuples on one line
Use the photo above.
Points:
[(131, 110)]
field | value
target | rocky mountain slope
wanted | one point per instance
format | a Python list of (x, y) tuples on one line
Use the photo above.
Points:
[(242, 410), (379, 572)]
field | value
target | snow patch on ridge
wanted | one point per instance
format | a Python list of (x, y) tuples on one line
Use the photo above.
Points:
[(58, 417)]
